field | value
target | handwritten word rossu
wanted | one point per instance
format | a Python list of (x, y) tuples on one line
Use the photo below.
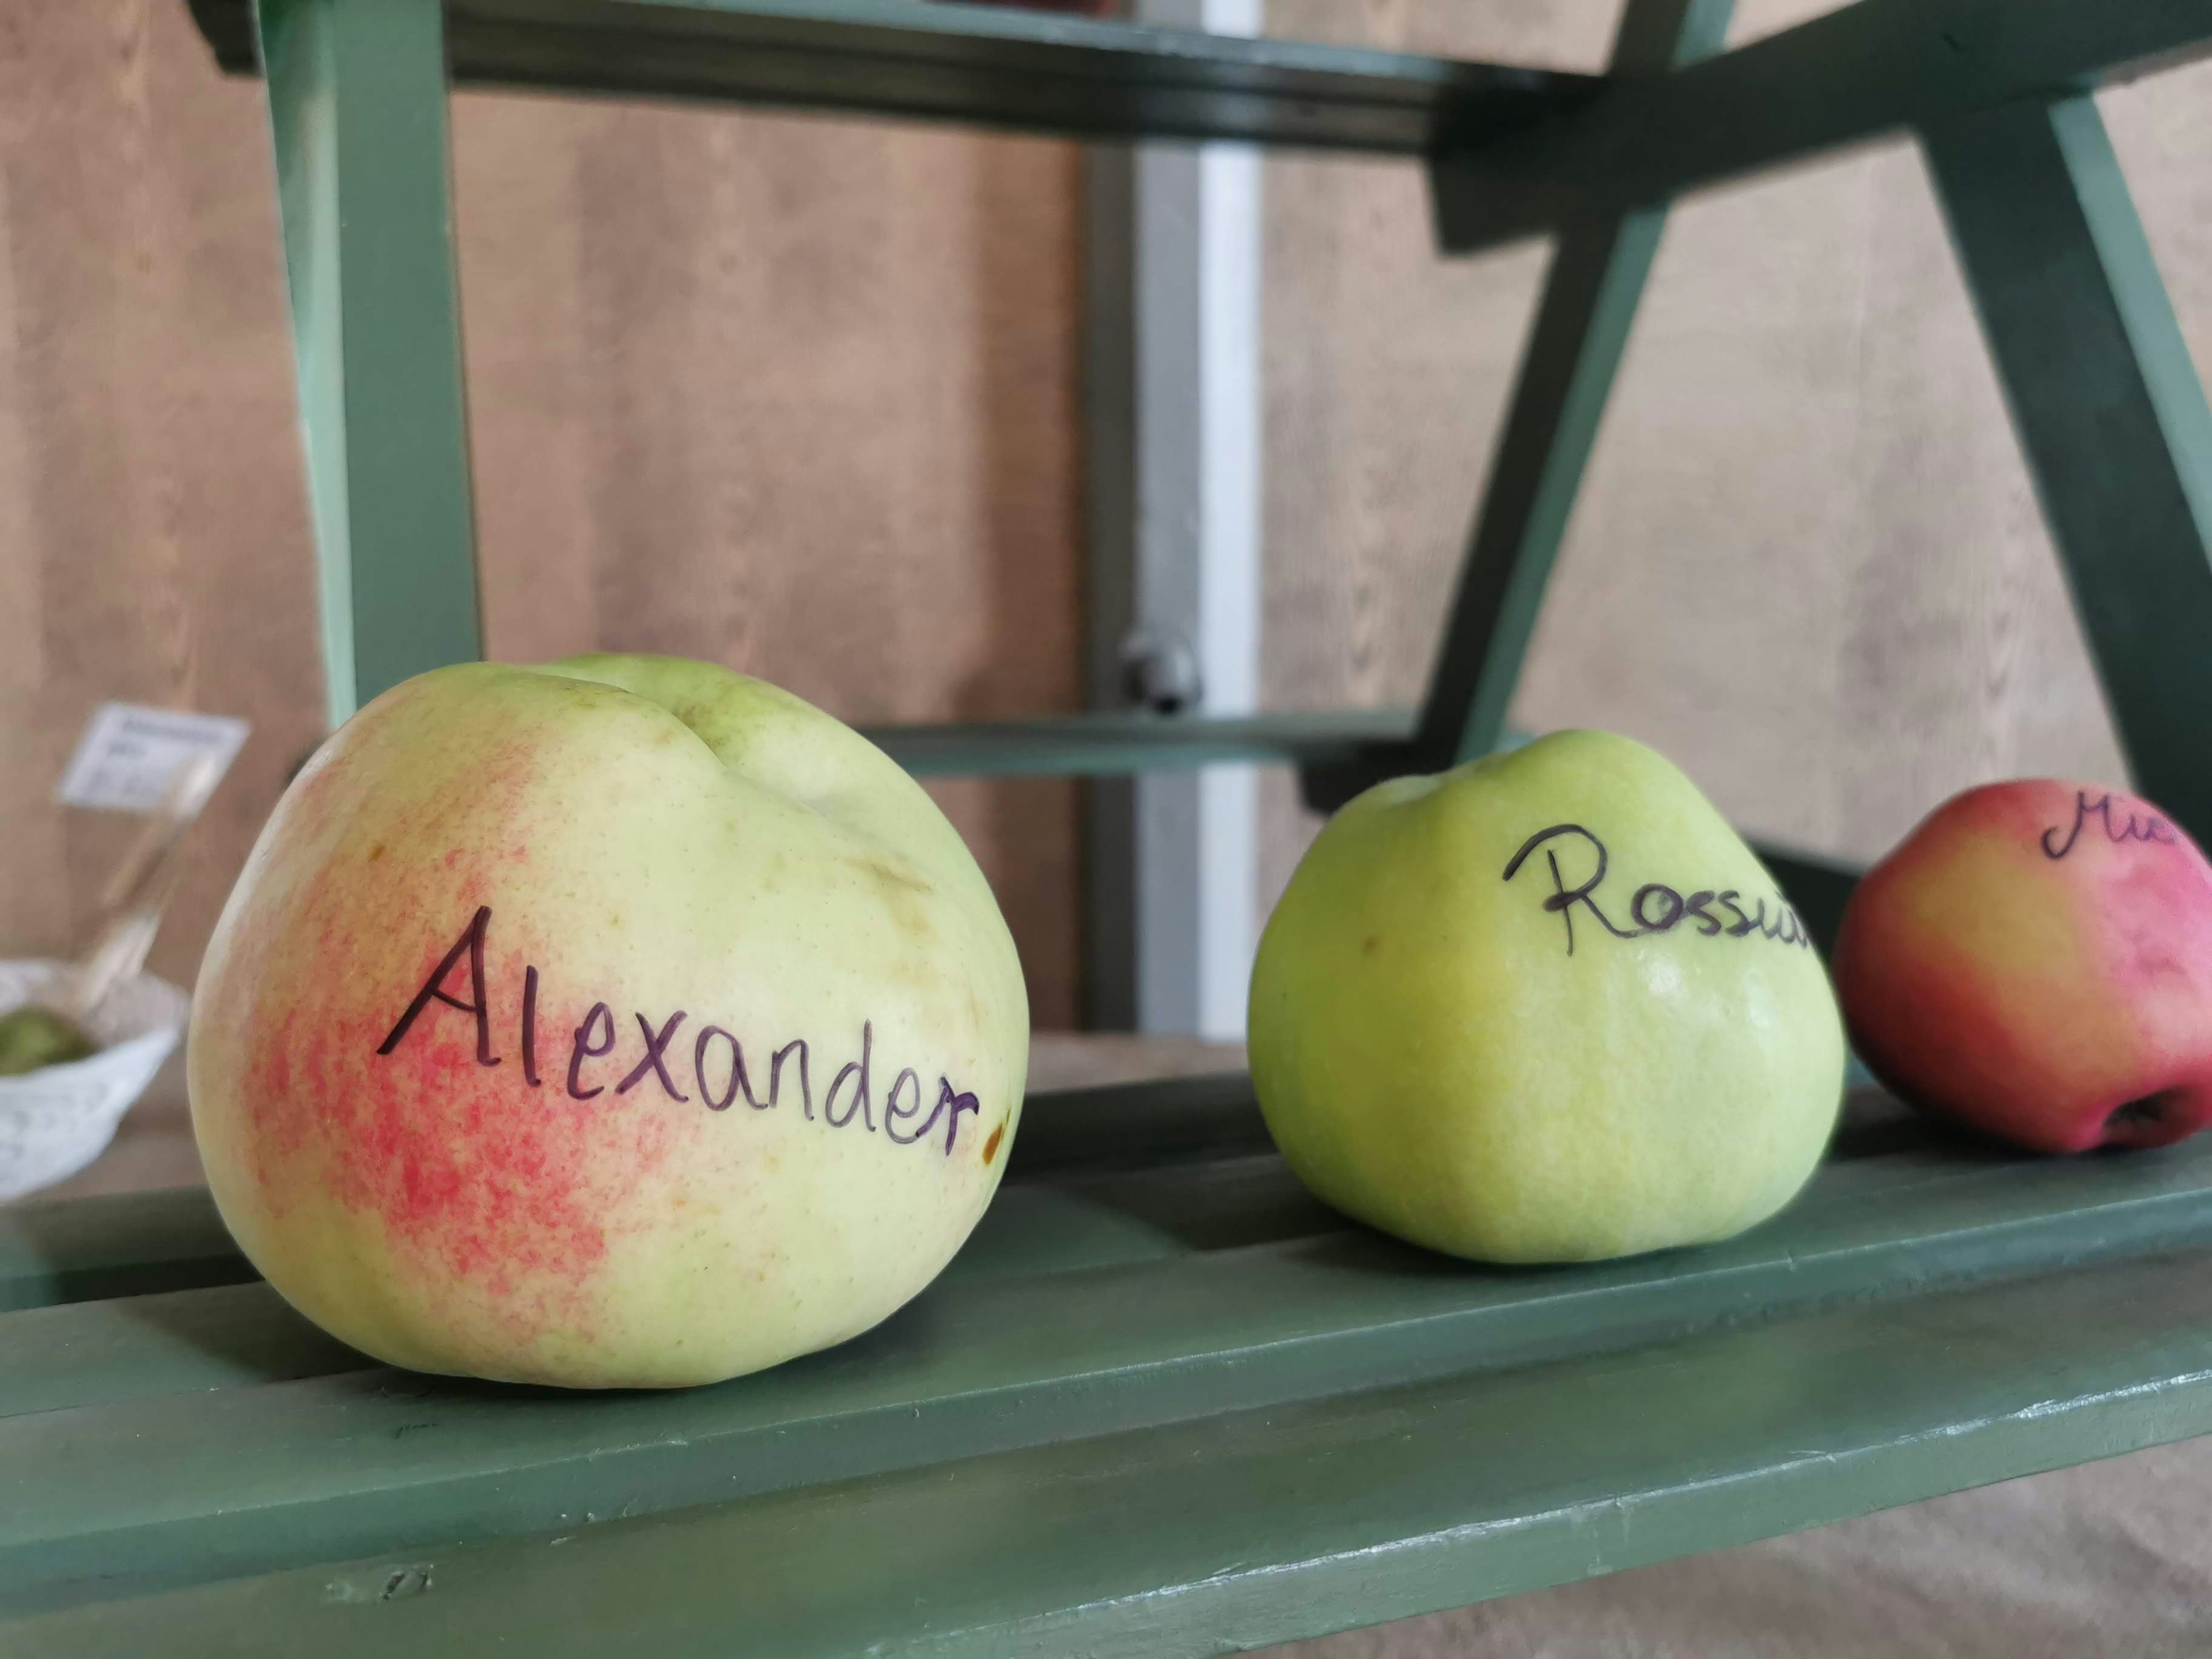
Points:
[(1655, 908), (717, 1073)]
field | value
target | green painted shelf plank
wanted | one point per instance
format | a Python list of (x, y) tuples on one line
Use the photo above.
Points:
[(1859, 72), (990, 65), (1528, 145), (1100, 746), (1099, 1177), (1167, 1120), (71, 1250), (1193, 1289), (86, 1334), (74, 1249), (1275, 1521), (76, 1354), (1346, 749)]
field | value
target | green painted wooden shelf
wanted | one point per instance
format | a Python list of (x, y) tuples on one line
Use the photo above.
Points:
[(1099, 745), (985, 65), (1356, 745), (1162, 1402), (1858, 72), (1538, 144)]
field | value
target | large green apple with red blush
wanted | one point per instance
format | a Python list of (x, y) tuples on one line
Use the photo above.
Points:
[(2036, 959), (1546, 1007), (624, 1022)]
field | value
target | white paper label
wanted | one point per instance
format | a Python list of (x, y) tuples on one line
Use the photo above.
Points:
[(129, 754)]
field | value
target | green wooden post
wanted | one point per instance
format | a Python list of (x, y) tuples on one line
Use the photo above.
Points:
[(2109, 410), (357, 107), (1597, 275)]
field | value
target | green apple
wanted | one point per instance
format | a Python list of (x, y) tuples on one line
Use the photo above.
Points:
[(1546, 1007), (621, 1022)]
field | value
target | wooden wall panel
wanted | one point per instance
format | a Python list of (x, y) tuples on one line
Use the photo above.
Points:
[(793, 395), (154, 515)]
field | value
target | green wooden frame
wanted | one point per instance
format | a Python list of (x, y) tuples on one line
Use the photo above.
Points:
[(2108, 409), (1295, 1425), (1163, 1403), (975, 66), (1862, 71), (356, 102), (1598, 265), (357, 107)]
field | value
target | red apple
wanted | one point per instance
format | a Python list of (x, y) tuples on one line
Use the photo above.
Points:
[(2036, 959)]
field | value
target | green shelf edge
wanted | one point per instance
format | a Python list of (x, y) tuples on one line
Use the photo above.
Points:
[(1856, 73), (1110, 745), (1356, 745), (1520, 149), (1276, 1522), (79, 1249), (985, 65), (1110, 1292)]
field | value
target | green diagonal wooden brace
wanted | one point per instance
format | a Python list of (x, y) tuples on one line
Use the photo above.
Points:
[(2110, 411), (1581, 327), (1599, 267), (357, 110)]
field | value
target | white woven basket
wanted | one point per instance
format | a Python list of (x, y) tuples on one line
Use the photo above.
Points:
[(55, 1121)]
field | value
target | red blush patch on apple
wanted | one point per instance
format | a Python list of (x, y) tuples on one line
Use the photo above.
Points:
[(477, 1176)]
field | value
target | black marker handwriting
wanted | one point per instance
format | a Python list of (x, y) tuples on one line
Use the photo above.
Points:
[(529, 1021), (655, 1047), (595, 1038), (1564, 897), (742, 1084), (581, 1048), (1655, 908), (853, 1068), (471, 941), (2150, 828)]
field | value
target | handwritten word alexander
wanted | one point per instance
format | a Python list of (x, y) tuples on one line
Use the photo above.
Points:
[(2150, 828), (1654, 907), (717, 1072)]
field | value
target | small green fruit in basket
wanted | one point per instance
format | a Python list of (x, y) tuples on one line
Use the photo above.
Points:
[(2035, 959), (1546, 1007), (33, 1037), (624, 1023)]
